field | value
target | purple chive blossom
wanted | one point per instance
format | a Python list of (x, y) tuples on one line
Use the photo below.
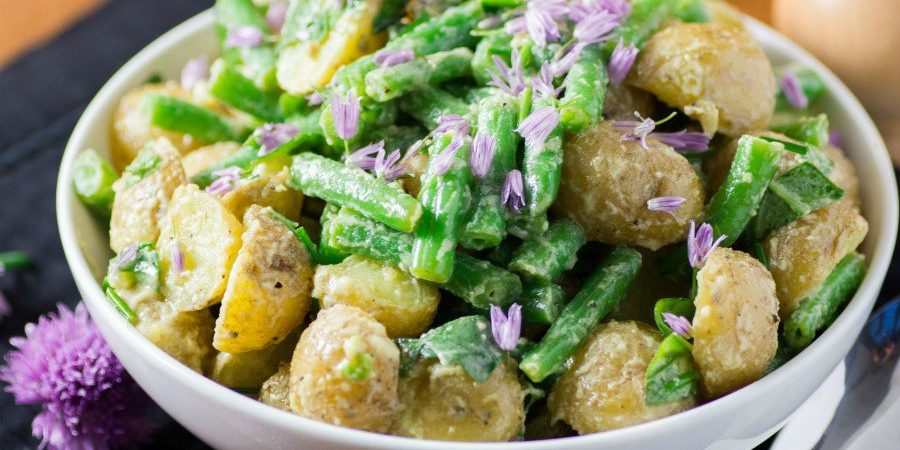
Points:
[(512, 194), (274, 135), (665, 204), (542, 84), (126, 257), (700, 244), (596, 27), (195, 71), (177, 257), (684, 141), (87, 399), (506, 78), (314, 99), (835, 139), (388, 167), (793, 91), (619, 8), (453, 122), (275, 15), (482, 154), (561, 65), (541, 26), (388, 58), (225, 180), (244, 37), (536, 128), (489, 22), (678, 324), (639, 130), (364, 158), (346, 115), (621, 61), (506, 328), (442, 163)]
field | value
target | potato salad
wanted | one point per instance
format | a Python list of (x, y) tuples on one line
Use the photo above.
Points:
[(488, 220)]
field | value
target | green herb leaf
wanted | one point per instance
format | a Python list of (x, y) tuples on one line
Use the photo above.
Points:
[(118, 302), (671, 375), (679, 306), (466, 341), (410, 354)]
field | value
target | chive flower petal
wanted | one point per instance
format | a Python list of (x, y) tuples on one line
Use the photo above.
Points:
[(452, 122), (512, 193), (509, 79), (364, 158), (276, 15), (195, 71), (835, 139), (274, 135), (506, 329), (596, 27), (482, 156), (793, 91), (243, 37), (621, 61), (665, 204), (177, 258), (700, 244), (536, 128), (225, 180), (345, 113), (678, 324), (388, 58), (444, 160), (684, 141), (314, 99)]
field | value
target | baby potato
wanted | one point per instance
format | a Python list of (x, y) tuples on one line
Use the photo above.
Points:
[(445, 403), (265, 190), (736, 323), (205, 157), (719, 76), (843, 174), (184, 335), (802, 253), (275, 391), (607, 182), (344, 371), (139, 208), (622, 101), (131, 129), (208, 237), (310, 65), (402, 303), (604, 388), (268, 289), (250, 369)]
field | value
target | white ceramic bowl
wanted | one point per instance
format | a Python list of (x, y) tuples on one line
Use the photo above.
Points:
[(226, 419)]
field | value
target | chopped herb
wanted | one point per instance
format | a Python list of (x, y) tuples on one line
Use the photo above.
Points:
[(118, 302)]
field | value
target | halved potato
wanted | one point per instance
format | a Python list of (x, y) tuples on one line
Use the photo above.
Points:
[(268, 289), (140, 204), (276, 390), (185, 335), (249, 370), (209, 238), (205, 157), (265, 189)]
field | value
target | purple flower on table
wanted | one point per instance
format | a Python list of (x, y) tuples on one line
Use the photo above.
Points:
[(88, 400), (244, 36), (542, 83), (621, 61), (700, 244), (225, 180), (509, 79), (596, 27), (452, 122), (482, 155), (274, 135), (793, 91), (388, 58), (665, 204), (678, 324), (684, 141), (276, 14), (444, 160), (512, 193), (536, 128), (194, 71), (506, 328), (177, 258), (345, 113), (314, 99), (364, 158)]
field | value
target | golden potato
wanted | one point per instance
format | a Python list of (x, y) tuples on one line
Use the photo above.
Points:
[(205, 157), (131, 129), (140, 204), (249, 370), (276, 390), (265, 190), (607, 182), (268, 289), (344, 371), (604, 388), (307, 66), (843, 174), (445, 403), (802, 253), (402, 303), (716, 75), (185, 335), (208, 237), (736, 323), (623, 100)]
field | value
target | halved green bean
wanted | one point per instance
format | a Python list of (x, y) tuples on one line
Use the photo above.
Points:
[(204, 125), (337, 183), (92, 178), (542, 303), (582, 102), (235, 90), (820, 308), (444, 199), (385, 83), (598, 296), (542, 168), (810, 129), (545, 258), (428, 104), (485, 224)]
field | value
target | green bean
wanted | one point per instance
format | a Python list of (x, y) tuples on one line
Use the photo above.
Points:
[(204, 125), (336, 183), (545, 258), (328, 254), (542, 168), (542, 303), (235, 90), (481, 283), (820, 308), (386, 83), (485, 224), (582, 102), (444, 199), (526, 226), (428, 104), (118, 302), (92, 178), (502, 3), (483, 59), (810, 129), (598, 296), (645, 19), (811, 83)]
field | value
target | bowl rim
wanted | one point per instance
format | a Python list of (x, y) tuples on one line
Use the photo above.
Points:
[(860, 304)]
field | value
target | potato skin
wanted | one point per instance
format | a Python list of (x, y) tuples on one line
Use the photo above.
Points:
[(623, 100), (184, 335), (275, 391), (265, 190), (719, 76), (209, 237), (138, 209), (843, 174), (204, 157), (320, 391), (445, 403), (402, 303), (131, 130), (736, 323), (606, 184), (604, 388), (268, 289), (802, 253)]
